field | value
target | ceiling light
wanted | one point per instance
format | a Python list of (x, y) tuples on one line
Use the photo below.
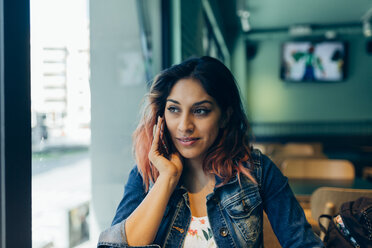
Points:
[(366, 19), (244, 16), (300, 30), (330, 34), (367, 29)]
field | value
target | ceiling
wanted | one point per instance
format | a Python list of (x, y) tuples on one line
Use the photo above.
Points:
[(272, 14)]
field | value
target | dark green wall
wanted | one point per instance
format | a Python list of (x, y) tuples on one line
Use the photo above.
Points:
[(191, 28), (270, 100)]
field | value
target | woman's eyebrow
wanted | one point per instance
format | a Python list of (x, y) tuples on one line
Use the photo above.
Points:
[(195, 104), (202, 102), (174, 101)]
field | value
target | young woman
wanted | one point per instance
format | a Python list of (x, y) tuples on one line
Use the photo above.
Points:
[(197, 182)]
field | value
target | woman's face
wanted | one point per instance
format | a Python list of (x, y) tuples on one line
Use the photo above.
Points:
[(193, 118)]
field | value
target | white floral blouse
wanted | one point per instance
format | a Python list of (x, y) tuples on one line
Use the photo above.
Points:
[(199, 234)]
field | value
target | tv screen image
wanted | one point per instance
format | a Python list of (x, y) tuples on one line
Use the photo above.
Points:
[(308, 61)]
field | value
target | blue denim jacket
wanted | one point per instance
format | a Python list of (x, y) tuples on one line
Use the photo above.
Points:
[(235, 211)]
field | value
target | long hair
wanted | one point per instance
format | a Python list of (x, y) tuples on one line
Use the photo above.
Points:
[(226, 156)]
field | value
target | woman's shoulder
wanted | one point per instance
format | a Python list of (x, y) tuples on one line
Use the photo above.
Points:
[(259, 165), (135, 178), (257, 158), (135, 173)]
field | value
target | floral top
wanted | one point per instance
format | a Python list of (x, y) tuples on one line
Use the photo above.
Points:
[(199, 234)]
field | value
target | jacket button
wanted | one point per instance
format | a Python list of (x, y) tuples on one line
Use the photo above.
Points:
[(223, 232)]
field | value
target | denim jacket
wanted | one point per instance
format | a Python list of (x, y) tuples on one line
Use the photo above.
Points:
[(235, 211)]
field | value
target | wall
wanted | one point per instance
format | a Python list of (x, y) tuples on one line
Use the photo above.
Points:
[(270, 100), (118, 85), (191, 28)]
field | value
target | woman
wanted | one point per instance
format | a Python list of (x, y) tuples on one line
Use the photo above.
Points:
[(197, 182)]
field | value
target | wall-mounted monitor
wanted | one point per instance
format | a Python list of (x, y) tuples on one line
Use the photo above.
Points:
[(307, 61)]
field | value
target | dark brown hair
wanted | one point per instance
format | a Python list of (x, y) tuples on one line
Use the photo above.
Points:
[(231, 149)]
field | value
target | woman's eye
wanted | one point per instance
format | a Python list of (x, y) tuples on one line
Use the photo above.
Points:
[(201, 111), (173, 109)]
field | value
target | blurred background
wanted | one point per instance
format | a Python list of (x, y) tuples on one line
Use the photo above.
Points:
[(93, 61)]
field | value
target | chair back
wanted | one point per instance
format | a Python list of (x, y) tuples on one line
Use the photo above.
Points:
[(329, 196), (367, 173), (327, 200), (298, 149), (312, 168)]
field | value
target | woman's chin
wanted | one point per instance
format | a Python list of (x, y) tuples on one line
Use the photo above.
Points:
[(190, 155)]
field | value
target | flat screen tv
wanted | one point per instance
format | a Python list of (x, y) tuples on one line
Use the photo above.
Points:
[(306, 61)]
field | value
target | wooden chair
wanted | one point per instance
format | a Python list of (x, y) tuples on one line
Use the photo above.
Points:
[(327, 200), (318, 169), (367, 173), (322, 169), (296, 151)]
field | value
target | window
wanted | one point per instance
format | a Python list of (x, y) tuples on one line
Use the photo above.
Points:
[(90, 72)]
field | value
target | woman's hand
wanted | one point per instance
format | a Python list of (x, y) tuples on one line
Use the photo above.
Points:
[(171, 167), (151, 210)]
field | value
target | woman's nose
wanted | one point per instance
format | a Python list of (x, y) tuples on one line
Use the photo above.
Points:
[(186, 125)]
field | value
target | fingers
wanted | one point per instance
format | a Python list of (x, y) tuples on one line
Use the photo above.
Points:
[(154, 131), (156, 136), (176, 158)]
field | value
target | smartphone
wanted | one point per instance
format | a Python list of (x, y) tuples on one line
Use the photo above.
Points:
[(165, 148), (165, 143)]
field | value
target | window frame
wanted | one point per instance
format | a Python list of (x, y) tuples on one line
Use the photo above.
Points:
[(15, 124)]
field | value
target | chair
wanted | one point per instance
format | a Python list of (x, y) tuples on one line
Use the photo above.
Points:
[(327, 200), (318, 169), (296, 150), (367, 173)]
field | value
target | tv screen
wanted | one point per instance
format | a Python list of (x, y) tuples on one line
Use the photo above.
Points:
[(306, 61)]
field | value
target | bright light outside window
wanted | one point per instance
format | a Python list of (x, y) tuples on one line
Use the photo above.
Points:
[(77, 182), (60, 107)]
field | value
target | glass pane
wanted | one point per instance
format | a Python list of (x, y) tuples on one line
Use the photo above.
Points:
[(61, 172), (90, 70)]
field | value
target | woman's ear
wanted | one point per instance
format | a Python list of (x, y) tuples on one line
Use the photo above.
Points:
[(226, 118)]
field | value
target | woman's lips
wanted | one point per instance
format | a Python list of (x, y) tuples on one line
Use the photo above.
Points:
[(187, 141)]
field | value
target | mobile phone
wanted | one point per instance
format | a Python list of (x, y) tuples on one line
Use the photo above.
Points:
[(165, 143), (165, 148)]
